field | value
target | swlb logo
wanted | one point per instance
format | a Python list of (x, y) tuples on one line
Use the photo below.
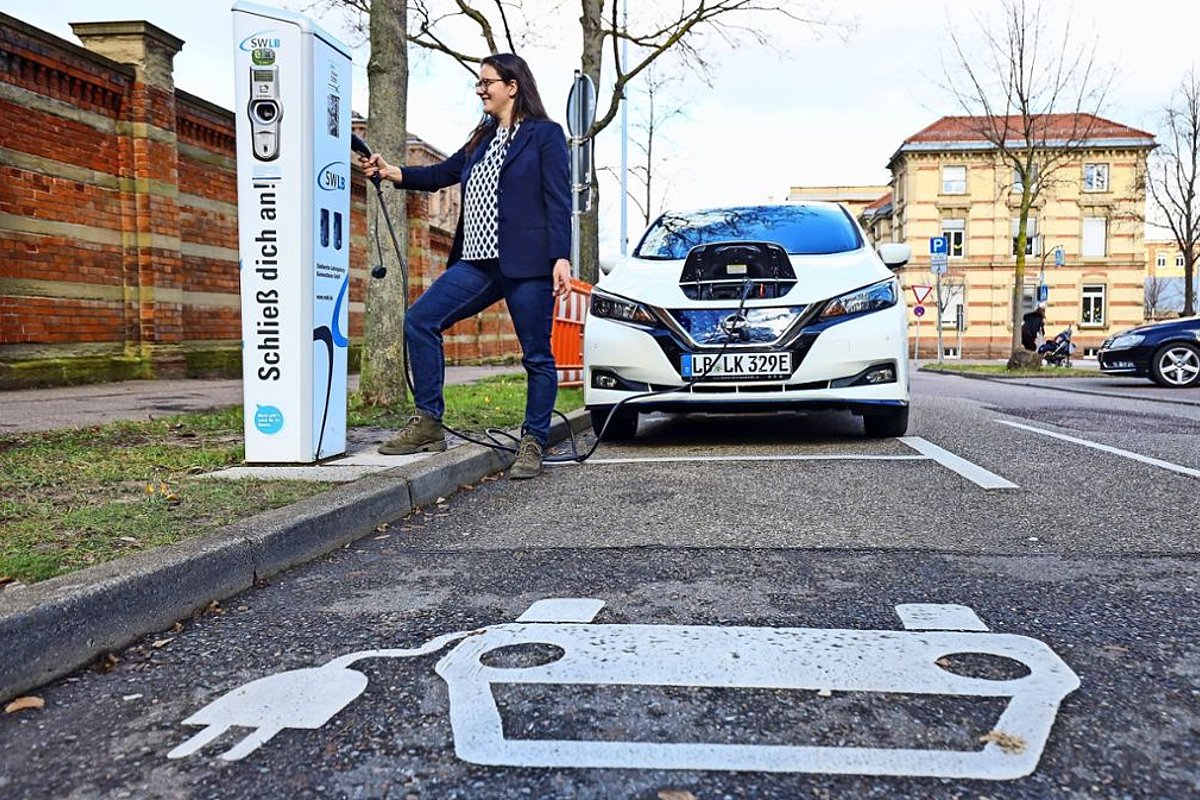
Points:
[(268, 419), (261, 40), (332, 177)]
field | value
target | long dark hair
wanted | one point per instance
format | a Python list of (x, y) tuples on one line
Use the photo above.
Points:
[(526, 105)]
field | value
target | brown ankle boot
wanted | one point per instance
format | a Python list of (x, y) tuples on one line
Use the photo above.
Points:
[(421, 434), (529, 459)]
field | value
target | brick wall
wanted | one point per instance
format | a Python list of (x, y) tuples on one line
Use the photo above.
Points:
[(118, 218)]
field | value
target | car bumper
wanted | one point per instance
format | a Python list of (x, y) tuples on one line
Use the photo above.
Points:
[(1129, 361), (831, 357)]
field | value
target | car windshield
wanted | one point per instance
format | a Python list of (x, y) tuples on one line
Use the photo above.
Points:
[(799, 229)]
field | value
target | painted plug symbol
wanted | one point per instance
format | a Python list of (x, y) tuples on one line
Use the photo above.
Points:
[(301, 698)]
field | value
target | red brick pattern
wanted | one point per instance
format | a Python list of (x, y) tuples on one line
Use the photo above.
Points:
[(139, 192)]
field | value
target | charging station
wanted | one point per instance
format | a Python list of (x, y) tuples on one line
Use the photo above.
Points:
[(293, 173)]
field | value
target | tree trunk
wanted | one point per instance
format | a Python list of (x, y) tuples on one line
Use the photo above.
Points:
[(591, 22), (1019, 270), (1189, 286), (382, 380)]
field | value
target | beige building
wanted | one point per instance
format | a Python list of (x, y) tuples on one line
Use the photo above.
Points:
[(949, 181), (854, 198)]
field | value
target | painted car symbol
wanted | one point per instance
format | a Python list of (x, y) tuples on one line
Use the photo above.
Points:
[(811, 659)]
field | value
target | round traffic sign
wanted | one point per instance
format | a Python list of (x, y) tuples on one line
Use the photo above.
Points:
[(919, 311)]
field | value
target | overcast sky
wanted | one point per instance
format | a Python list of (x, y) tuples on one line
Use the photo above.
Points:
[(826, 107)]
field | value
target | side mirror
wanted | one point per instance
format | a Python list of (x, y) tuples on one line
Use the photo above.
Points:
[(894, 254)]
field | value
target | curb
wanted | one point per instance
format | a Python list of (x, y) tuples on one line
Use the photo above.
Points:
[(1024, 382), (52, 628)]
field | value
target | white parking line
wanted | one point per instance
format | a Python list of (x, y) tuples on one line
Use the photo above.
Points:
[(700, 459), (972, 472), (1116, 451)]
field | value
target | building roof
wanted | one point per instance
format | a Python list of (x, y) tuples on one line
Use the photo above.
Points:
[(879, 203), (1050, 130)]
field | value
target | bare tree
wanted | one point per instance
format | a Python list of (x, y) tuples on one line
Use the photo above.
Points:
[(657, 109), (1171, 179), (1034, 95), (684, 28), (1154, 294), (382, 374)]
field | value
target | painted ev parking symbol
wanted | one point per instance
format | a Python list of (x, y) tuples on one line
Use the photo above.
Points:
[(585, 653)]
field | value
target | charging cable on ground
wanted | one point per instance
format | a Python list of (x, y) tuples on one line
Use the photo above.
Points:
[(495, 435)]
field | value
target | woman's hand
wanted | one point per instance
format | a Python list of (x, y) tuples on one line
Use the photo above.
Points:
[(375, 165), (562, 277)]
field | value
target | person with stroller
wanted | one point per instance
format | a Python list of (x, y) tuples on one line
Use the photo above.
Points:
[(1033, 325)]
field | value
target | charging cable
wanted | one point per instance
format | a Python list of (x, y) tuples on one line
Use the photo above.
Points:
[(495, 435)]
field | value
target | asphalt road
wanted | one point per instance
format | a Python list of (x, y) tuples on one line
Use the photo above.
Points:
[(722, 581)]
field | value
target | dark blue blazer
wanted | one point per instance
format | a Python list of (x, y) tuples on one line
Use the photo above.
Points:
[(534, 197)]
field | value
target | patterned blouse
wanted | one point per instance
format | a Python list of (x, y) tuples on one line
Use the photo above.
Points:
[(481, 237)]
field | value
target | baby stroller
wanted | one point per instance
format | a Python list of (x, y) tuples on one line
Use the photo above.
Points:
[(1057, 351)]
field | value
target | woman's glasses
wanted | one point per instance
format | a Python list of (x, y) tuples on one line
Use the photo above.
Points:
[(484, 83)]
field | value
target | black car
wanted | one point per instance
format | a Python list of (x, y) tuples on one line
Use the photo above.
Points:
[(1166, 352)]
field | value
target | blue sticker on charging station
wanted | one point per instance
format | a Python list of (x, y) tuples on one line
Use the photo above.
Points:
[(268, 419)]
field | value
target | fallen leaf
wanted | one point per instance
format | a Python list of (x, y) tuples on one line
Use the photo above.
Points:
[(944, 663), (1005, 741), (6, 579), (675, 794), (161, 643), (824, 693), (129, 540), (441, 500), (177, 627), (381, 527), (106, 662), (24, 704), (215, 608)]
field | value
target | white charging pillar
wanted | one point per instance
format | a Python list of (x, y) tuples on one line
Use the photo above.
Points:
[(293, 165)]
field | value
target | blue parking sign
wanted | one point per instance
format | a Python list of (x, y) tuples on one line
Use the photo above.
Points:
[(939, 245), (1043, 293), (1060, 257)]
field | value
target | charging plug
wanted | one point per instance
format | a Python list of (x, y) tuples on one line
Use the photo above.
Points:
[(302, 698)]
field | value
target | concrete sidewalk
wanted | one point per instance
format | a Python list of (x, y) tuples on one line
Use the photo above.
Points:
[(98, 403)]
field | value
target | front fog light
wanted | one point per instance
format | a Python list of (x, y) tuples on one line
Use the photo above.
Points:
[(604, 380), (881, 375)]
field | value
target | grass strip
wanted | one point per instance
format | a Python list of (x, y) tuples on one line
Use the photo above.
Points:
[(1001, 371), (73, 498)]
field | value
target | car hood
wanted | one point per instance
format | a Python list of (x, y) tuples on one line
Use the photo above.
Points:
[(817, 278), (1166, 326)]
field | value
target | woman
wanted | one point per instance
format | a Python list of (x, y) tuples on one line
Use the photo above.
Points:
[(513, 242)]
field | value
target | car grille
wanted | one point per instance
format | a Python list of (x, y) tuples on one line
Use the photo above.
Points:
[(752, 326)]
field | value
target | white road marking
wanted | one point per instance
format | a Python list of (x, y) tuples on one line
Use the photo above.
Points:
[(818, 660), (703, 459), (972, 472), (1116, 451)]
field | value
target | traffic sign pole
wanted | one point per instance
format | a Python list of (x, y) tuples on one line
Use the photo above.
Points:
[(939, 317)]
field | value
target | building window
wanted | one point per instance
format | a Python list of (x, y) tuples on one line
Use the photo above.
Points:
[(1161, 261), (1095, 237), (1028, 298), (954, 180), (1018, 184), (954, 303), (1032, 244), (1093, 305), (1178, 260), (955, 231), (1095, 177)]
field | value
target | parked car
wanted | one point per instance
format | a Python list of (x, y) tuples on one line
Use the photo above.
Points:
[(753, 308), (1167, 352)]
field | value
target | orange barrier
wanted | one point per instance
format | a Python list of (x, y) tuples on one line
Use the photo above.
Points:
[(566, 333)]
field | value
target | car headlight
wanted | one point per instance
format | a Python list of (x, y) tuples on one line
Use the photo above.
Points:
[(872, 298), (1128, 340), (609, 307)]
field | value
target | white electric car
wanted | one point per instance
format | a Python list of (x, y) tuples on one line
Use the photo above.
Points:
[(758, 308)]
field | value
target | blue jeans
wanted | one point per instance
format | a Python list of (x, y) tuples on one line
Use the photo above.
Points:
[(462, 291)]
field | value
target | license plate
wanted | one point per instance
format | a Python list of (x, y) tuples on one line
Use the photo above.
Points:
[(737, 365)]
